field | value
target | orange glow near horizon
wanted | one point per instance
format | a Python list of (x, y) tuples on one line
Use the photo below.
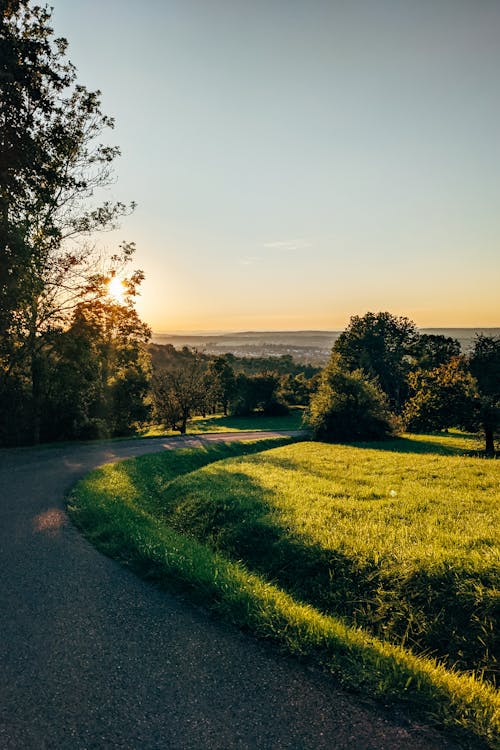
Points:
[(235, 323), (187, 300)]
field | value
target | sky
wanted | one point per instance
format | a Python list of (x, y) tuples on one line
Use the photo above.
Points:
[(296, 163)]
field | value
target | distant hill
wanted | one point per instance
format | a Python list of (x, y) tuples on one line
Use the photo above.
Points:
[(303, 346), (290, 338)]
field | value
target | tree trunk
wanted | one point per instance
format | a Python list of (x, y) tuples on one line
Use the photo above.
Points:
[(36, 396), (490, 443)]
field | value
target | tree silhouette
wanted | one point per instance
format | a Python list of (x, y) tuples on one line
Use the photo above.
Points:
[(52, 162), (485, 366)]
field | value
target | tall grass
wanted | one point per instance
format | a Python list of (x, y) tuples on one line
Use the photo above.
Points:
[(407, 547), (316, 508)]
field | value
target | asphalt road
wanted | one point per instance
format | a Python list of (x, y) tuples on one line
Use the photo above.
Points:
[(93, 657)]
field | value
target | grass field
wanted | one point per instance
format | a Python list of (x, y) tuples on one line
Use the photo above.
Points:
[(221, 423), (356, 557), (407, 548)]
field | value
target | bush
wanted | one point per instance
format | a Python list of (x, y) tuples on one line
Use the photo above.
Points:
[(257, 393), (348, 407), (94, 429), (275, 408)]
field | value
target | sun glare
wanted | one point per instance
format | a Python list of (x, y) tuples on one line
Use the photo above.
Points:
[(116, 289)]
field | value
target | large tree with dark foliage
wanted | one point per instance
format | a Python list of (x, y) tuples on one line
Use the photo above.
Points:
[(484, 364), (379, 344), (432, 350), (99, 374), (52, 162), (441, 397)]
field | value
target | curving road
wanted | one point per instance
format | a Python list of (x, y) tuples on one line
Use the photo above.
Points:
[(94, 658)]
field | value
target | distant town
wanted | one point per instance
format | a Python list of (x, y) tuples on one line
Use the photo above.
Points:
[(313, 347)]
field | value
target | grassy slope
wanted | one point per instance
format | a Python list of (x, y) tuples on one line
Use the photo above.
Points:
[(405, 547), (129, 511)]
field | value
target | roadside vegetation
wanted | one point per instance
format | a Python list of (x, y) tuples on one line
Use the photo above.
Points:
[(379, 563)]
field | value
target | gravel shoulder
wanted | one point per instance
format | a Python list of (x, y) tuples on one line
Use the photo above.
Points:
[(93, 657)]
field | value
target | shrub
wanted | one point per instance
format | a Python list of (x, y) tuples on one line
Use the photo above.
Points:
[(257, 393), (94, 429), (348, 407), (275, 408)]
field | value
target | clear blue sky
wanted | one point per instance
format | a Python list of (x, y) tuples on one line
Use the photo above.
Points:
[(299, 162)]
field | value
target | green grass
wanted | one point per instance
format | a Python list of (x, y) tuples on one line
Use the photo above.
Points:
[(220, 423), (406, 548), (305, 543)]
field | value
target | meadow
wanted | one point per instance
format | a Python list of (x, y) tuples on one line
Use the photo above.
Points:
[(257, 422), (406, 548), (379, 561)]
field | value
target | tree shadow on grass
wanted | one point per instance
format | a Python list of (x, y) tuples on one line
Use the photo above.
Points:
[(446, 444), (233, 514), (152, 473), (256, 421)]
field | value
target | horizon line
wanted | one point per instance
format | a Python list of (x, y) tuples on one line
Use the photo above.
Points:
[(232, 331)]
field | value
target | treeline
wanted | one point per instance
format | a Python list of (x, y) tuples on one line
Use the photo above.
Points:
[(165, 355), (98, 377), (187, 383), (383, 377)]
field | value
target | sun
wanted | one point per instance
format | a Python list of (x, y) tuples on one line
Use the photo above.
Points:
[(116, 289)]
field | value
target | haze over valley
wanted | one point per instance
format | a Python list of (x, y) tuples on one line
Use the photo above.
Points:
[(303, 346)]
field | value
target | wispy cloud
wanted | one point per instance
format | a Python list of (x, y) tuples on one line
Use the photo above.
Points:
[(249, 260), (286, 246)]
